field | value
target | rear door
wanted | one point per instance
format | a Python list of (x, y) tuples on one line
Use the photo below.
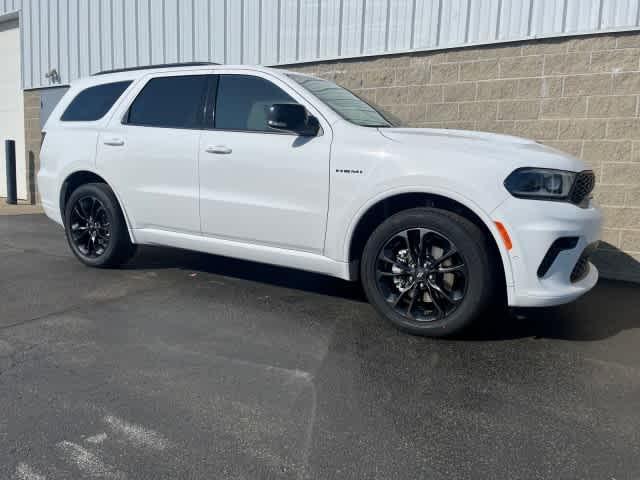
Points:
[(150, 152)]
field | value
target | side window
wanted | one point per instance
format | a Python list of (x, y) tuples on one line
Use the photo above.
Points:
[(174, 102), (94, 102), (243, 102)]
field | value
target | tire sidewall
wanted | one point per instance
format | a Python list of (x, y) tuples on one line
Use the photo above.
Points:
[(469, 241), (118, 227)]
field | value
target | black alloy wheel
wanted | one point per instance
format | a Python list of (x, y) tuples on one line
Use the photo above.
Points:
[(90, 226), (429, 272), (421, 274), (95, 227)]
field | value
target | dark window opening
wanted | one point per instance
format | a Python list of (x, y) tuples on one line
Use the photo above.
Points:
[(94, 102), (171, 102), (243, 103)]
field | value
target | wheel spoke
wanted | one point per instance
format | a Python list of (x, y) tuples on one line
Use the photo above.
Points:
[(422, 246), (88, 245), (445, 256), (415, 293), (410, 248), (396, 264), (442, 292), (78, 236), (94, 202), (392, 274), (83, 207), (435, 301), (401, 295), (76, 210), (451, 269)]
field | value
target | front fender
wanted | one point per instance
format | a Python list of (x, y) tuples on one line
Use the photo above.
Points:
[(482, 213)]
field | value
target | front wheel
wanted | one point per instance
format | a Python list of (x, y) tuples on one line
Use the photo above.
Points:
[(428, 271)]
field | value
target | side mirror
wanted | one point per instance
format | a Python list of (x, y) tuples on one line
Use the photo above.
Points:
[(292, 117)]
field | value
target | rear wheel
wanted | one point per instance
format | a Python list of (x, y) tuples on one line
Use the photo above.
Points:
[(95, 227), (428, 271)]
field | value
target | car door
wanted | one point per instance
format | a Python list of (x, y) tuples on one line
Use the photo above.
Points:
[(150, 151), (257, 184)]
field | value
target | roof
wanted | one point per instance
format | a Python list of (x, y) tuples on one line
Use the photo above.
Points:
[(154, 67)]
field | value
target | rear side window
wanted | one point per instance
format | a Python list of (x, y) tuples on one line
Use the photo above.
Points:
[(243, 102), (172, 102), (94, 102)]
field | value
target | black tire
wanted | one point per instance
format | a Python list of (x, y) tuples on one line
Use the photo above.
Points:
[(116, 247), (475, 277)]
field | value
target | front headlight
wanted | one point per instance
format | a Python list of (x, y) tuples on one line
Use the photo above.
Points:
[(540, 183)]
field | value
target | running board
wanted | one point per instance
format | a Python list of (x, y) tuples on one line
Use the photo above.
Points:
[(310, 262)]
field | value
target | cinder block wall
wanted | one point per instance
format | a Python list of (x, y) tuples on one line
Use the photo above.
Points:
[(33, 138), (577, 94)]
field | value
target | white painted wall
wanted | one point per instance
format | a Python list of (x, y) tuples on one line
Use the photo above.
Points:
[(11, 105)]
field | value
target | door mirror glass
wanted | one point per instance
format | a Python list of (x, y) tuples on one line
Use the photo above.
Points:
[(292, 117)]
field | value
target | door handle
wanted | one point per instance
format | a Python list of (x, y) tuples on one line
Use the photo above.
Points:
[(219, 149), (114, 142)]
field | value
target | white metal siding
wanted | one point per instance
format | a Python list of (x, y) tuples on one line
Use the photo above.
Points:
[(11, 105), (78, 37)]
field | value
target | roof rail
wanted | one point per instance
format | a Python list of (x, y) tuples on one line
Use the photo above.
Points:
[(149, 67)]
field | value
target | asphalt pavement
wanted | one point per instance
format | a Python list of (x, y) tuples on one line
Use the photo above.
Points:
[(190, 366)]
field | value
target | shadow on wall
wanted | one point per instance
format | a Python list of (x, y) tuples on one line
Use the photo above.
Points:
[(615, 264), (31, 173), (612, 307)]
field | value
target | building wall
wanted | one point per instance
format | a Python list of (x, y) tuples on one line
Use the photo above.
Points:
[(580, 95), (80, 37), (33, 139)]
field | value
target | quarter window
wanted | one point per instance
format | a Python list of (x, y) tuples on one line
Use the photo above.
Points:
[(173, 102), (243, 103), (94, 102)]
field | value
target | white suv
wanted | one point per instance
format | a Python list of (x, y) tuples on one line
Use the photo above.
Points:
[(293, 170)]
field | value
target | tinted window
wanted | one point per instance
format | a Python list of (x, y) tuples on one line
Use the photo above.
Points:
[(243, 102), (175, 102), (94, 102)]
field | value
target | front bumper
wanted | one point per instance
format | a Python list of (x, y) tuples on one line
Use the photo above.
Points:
[(534, 226)]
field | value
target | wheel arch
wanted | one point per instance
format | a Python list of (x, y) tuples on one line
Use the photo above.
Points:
[(381, 208), (82, 177)]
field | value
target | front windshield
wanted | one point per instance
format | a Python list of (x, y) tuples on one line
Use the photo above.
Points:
[(345, 103)]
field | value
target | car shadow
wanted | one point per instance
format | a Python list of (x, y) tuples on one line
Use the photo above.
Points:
[(164, 258), (610, 308)]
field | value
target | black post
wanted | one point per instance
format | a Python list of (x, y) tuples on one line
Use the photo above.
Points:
[(12, 189)]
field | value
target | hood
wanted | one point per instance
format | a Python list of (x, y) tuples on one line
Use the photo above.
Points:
[(503, 150), (405, 133)]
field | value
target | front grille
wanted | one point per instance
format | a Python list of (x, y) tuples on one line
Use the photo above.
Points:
[(582, 187)]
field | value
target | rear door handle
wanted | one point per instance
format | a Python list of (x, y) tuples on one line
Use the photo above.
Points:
[(219, 149), (114, 142)]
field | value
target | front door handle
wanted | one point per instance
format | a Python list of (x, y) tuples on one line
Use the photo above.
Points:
[(114, 142), (219, 149)]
